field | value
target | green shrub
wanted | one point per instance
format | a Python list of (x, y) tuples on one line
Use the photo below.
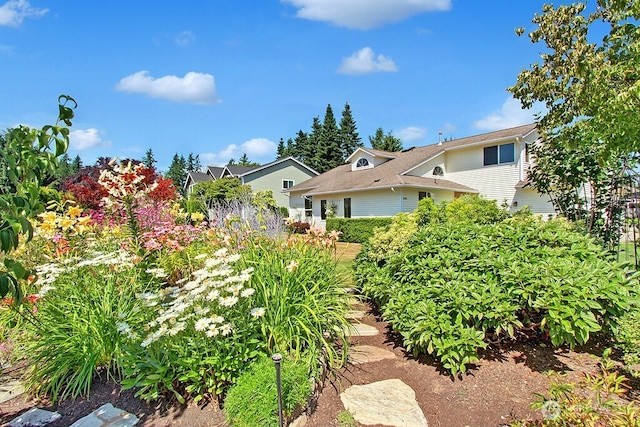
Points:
[(356, 230), (253, 400), (457, 285), (628, 336), (467, 208)]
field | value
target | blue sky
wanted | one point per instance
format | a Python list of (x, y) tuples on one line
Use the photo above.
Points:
[(220, 78)]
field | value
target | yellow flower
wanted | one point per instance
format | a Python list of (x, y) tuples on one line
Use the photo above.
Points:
[(47, 228), (197, 216), (49, 217), (74, 211), (66, 223)]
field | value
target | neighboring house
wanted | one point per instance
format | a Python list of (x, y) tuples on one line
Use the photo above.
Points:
[(377, 183), (277, 176)]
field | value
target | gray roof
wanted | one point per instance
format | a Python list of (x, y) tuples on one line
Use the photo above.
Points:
[(215, 171), (392, 172)]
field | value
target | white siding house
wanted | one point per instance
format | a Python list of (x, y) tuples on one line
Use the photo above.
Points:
[(376, 183)]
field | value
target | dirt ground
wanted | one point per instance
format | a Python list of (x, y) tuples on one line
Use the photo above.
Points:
[(500, 386)]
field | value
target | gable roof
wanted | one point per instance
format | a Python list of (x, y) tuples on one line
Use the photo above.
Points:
[(196, 177), (215, 171), (394, 172), (275, 163)]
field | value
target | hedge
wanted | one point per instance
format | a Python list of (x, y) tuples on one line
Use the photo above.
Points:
[(356, 230)]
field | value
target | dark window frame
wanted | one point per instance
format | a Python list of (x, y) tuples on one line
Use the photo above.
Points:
[(346, 208)]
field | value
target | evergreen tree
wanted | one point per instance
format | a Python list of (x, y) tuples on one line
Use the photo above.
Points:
[(148, 160), (329, 152), (385, 142), (312, 147), (177, 172), (231, 162), (301, 147), (244, 161), (193, 163), (76, 165), (349, 138), (281, 151)]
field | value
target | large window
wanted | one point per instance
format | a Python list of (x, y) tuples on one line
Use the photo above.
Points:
[(347, 207), (287, 183), (497, 154), (323, 209), (308, 207)]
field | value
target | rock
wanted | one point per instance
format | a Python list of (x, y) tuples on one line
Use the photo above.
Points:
[(34, 417), (390, 403), (355, 314), (366, 353), (107, 416), (360, 330)]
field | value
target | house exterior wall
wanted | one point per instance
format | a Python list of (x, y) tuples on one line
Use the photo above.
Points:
[(271, 179), (537, 203), (364, 204)]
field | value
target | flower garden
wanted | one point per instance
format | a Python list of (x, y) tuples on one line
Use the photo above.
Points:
[(167, 303)]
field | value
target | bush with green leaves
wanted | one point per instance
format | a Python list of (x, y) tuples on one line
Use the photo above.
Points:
[(356, 230), (458, 286), (627, 337), (253, 399), (467, 208)]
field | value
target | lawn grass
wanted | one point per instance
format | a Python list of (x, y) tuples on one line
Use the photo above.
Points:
[(345, 254)]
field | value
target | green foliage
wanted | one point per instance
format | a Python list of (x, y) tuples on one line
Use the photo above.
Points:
[(385, 142), (468, 208), (345, 419), (590, 129), (74, 332), (206, 194), (356, 230), (29, 157), (596, 399), (302, 297), (177, 172), (193, 340), (458, 285), (627, 336), (253, 400)]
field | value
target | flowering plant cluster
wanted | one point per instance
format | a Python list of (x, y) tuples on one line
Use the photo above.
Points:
[(171, 237), (124, 183)]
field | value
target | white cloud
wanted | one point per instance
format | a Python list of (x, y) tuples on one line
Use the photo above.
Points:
[(411, 133), (259, 150), (13, 12), (85, 139), (185, 38), (364, 14), (195, 88), (511, 114), (365, 61)]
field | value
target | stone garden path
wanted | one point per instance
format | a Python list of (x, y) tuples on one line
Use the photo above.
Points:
[(388, 402)]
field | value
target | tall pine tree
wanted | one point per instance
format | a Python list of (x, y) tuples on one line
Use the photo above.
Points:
[(193, 163), (385, 142), (177, 172), (281, 151), (148, 160), (349, 138)]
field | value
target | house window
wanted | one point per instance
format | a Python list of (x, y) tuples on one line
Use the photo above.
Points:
[(347, 207), (308, 207), (437, 171), (423, 195), (323, 209), (287, 183), (362, 163), (497, 154)]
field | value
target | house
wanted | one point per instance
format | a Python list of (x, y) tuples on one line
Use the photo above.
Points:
[(376, 183), (277, 176)]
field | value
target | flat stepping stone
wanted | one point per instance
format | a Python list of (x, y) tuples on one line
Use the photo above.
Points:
[(107, 416), (34, 417), (360, 330), (390, 403), (355, 314), (10, 388), (359, 354)]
